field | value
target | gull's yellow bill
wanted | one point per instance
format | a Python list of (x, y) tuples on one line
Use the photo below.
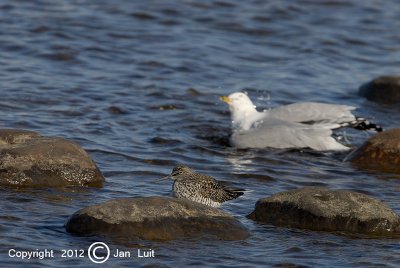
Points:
[(225, 99)]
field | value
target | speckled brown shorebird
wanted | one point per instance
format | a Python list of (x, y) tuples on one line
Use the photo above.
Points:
[(199, 187)]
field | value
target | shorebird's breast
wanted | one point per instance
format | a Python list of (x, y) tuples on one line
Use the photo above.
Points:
[(190, 190), (181, 189)]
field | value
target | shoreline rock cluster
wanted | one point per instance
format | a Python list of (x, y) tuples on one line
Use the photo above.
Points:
[(28, 159), (165, 218)]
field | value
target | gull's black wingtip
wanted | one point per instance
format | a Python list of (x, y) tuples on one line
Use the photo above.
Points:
[(362, 124)]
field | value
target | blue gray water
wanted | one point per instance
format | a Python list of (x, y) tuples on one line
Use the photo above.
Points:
[(136, 83)]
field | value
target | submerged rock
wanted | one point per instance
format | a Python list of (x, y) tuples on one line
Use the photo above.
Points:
[(155, 218), (384, 89), (380, 153), (322, 209), (28, 159)]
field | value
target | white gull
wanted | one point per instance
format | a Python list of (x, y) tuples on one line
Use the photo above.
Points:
[(298, 125)]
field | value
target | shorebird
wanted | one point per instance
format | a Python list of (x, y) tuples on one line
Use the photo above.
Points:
[(297, 125), (199, 187)]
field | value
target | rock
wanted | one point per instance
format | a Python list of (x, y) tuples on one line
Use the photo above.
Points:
[(116, 110), (379, 153), (322, 209), (384, 89), (30, 160), (155, 218)]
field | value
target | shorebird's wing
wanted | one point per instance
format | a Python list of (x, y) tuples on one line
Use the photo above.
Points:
[(211, 189)]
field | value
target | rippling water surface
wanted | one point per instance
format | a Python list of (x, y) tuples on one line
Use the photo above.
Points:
[(136, 83)]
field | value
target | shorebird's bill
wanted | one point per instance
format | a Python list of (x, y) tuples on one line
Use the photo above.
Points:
[(163, 178), (225, 99)]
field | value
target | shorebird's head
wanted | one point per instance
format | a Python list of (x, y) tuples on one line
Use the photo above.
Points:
[(241, 107), (178, 172)]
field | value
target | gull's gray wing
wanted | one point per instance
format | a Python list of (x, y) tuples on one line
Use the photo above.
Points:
[(312, 112), (276, 133)]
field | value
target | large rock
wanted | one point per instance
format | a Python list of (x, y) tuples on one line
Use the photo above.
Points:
[(321, 209), (155, 218), (380, 153), (384, 89), (28, 159)]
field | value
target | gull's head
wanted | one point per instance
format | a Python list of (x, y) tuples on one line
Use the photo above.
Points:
[(238, 101), (242, 109)]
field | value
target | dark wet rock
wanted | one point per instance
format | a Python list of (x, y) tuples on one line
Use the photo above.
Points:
[(116, 110), (30, 160), (40, 29), (60, 56), (380, 153), (164, 141), (143, 16), (384, 89), (322, 209), (155, 218), (192, 92), (168, 107)]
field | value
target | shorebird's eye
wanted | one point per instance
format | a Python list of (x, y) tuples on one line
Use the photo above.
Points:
[(177, 171)]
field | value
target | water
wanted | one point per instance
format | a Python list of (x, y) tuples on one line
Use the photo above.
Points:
[(136, 83)]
